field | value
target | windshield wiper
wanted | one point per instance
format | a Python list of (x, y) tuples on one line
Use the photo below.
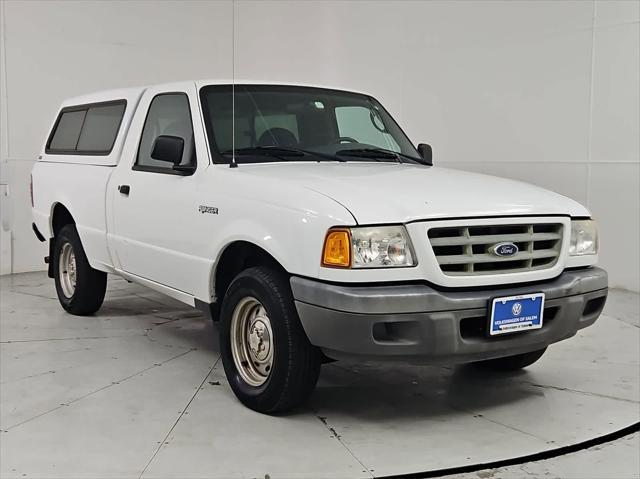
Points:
[(373, 153), (401, 155), (381, 153), (273, 151), (280, 152)]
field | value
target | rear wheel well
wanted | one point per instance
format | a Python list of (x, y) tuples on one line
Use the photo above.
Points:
[(237, 257), (60, 218)]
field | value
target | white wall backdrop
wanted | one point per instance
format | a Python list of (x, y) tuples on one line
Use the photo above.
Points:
[(545, 92)]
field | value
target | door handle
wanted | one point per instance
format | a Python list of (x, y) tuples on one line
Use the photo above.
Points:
[(124, 189)]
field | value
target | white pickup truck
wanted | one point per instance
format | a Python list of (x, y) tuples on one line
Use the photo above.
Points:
[(307, 224)]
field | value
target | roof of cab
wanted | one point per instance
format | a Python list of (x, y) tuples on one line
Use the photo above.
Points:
[(106, 95), (135, 92), (201, 83)]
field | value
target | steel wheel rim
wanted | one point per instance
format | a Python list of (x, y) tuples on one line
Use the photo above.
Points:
[(252, 341), (67, 268)]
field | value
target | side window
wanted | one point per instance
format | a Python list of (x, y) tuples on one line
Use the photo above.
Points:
[(67, 130), (169, 114), (100, 128), (87, 129), (365, 126)]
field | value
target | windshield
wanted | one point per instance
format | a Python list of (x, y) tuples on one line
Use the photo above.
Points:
[(287, 123)]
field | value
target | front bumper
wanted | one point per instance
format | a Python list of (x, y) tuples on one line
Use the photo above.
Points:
[(418, 323)]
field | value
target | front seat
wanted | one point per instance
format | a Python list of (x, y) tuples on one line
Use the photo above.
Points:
[(277, 137)]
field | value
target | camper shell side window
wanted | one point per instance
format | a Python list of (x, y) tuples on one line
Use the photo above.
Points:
[(89, 129)]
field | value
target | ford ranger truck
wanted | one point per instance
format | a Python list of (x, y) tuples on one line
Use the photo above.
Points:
[(310, 228)]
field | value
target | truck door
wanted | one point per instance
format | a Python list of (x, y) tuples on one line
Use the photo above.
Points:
[(153, 204)]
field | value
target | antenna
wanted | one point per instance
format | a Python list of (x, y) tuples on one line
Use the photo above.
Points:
[(234, 163)]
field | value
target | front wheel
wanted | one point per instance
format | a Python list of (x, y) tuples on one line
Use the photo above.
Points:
[(269, 362), (513, 363), (80, 288)]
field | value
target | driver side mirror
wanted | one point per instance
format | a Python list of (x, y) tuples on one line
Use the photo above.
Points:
[(168, 148), (426, 153)]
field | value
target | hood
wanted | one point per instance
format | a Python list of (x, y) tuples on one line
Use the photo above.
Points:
[(400, 193)]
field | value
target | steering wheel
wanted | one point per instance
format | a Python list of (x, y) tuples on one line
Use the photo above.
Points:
[(347, 139)]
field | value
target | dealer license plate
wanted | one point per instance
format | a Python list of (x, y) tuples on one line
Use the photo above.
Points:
[(511, 314)]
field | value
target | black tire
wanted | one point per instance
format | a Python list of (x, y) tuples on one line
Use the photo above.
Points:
[(296, 362), (512, 363), (90, 284)]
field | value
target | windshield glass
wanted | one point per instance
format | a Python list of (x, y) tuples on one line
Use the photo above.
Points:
[(287, 123)]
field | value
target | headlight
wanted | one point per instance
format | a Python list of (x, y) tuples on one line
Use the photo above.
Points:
[(584, 237), (368, 247)]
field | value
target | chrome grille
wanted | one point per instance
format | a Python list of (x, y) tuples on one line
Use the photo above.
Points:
[(468, 250)]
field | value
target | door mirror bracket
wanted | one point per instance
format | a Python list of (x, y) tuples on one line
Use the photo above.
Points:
[(184, 169)]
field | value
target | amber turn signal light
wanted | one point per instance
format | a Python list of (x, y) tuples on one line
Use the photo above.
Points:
[(337, 249)]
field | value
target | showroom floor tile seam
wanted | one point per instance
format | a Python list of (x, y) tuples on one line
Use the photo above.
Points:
[(585, 393), (96, 391), (6, 281), (626, 322), (483, 417), (33, 353), (177, 421), (32, 294), (71, 367), (58, 370), (111, 298), (36, 375), (622, 320), (78, 338), (338, 437), (578, 391), (172, 318)]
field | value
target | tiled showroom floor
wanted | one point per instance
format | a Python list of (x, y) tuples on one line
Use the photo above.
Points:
[(138, 391)]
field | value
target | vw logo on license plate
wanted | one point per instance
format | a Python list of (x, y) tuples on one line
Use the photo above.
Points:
[(516, 309)]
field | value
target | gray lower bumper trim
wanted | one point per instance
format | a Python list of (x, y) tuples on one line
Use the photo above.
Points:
[(417, 298), (411, 321)]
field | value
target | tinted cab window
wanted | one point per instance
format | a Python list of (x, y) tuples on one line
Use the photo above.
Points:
[(169, 114)]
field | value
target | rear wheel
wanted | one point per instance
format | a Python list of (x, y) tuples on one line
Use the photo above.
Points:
[(80, 288), (513, 363), (268, 360)]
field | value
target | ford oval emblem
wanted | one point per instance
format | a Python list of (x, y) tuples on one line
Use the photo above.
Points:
[(505, 249)]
